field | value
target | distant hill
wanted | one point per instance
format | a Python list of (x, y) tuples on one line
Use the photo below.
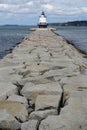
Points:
[(10, 25), (72, 23)]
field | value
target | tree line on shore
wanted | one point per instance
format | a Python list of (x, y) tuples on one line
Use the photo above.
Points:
[(72, 23)]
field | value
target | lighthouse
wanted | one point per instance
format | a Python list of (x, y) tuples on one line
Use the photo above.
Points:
[(42, 21)]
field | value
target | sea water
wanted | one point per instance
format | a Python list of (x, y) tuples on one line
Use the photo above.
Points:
[(10, 36), (75, 34)]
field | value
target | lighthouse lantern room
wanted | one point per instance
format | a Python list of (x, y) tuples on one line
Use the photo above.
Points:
[(42, 21)]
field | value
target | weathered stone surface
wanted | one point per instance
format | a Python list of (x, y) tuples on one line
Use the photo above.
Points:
[(45, 56), (37, 69), (6, 71), (76, 105), (63, 123), (38, 66), (18, 98), (36, 80), (40, 50), (60, 123), (75, 113), (8, 122), (17, 109), (31, 92), (72, 116), (53, 123), (39, 80), (8, 74), (21, 58), (60, 63), (24, 49), (30, 125), (39, 115), (61, 72), (3, 63), (47, 101), (76, 89), (79, 79), (7, 89)]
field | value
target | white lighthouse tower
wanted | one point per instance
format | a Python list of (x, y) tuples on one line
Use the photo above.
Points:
[(42, 21)]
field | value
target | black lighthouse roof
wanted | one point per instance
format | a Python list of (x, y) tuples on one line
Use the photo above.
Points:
[(43, 13)]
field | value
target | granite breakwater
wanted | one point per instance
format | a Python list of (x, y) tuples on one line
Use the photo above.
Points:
[(43, 85)]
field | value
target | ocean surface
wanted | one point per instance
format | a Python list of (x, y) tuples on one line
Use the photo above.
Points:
[(76, 35), (10, 36)]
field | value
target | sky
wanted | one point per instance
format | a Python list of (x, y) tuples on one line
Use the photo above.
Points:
[(27, 12)]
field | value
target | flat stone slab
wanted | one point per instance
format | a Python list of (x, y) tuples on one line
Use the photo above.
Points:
[(36, 80), (32, 91), (22, 49), (59, 63), (75, 113), (79, 79), (77, 107), (8, 74), (47, 102), (16, 109), (37, 68), (8, 122), (7, 89), (53, 123), (62, 123), (39, 80), (19, 59), (76, 89), (18, 98), (39, 115), (30, 125), (72, 117), (60, 72)]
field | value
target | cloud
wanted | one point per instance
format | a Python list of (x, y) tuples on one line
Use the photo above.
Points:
[(31, 9), (84, 9), (48, 7), (14, 1), (3, 6), (9, 8), (30, 3), (68, 11), (13, 8)]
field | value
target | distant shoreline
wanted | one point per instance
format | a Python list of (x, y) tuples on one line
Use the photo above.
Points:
[(68, 23), (71, 23)]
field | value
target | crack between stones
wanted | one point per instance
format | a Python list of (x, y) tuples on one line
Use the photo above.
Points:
[(19, 87), (39, 122), (61, 104), (63, 100)]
